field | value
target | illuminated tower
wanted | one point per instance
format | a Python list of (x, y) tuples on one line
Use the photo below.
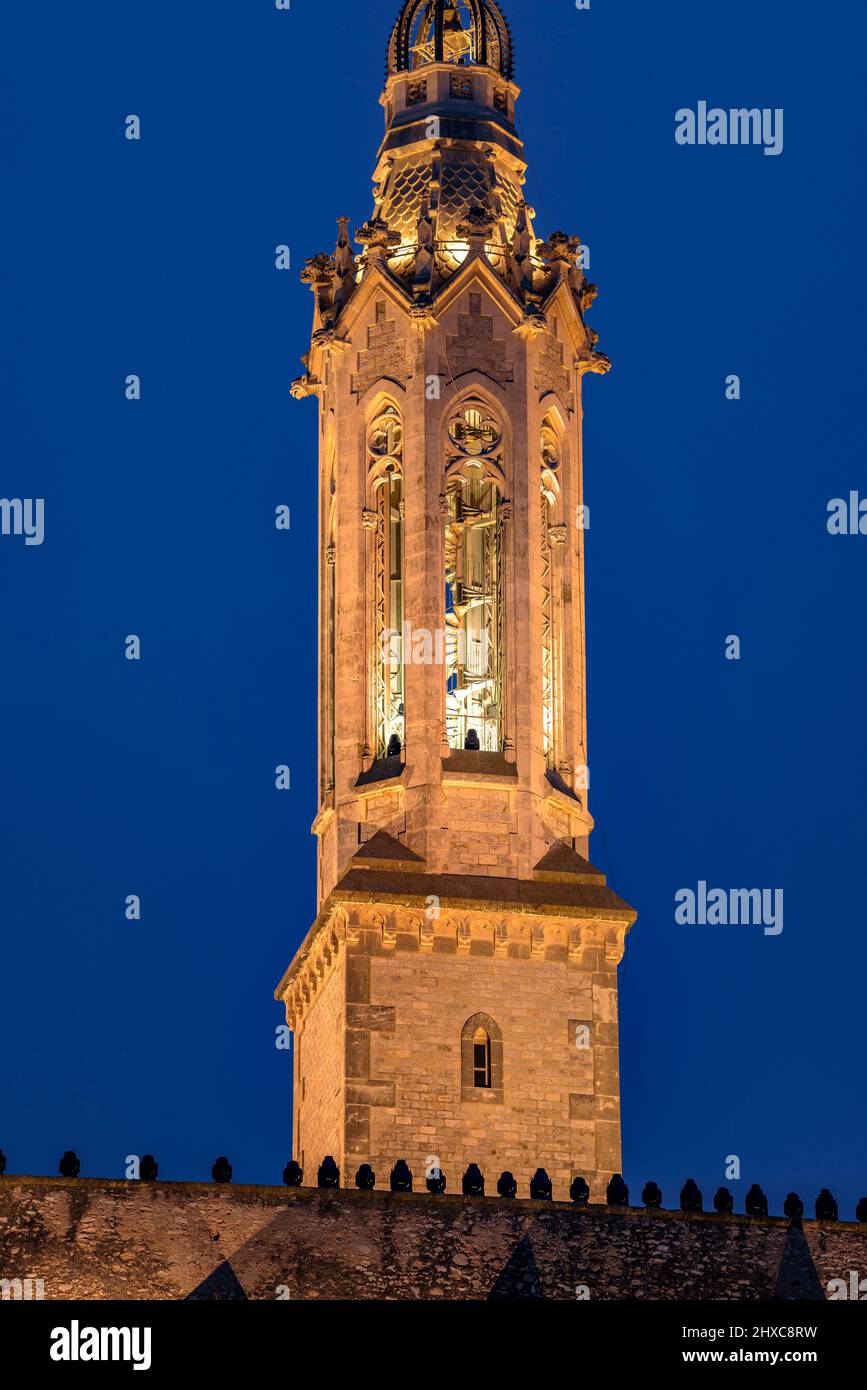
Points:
[(456, 999)]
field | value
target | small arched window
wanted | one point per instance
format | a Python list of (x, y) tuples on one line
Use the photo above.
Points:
[(482, 1061)]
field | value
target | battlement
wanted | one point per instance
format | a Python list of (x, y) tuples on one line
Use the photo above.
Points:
[(104, 1239)]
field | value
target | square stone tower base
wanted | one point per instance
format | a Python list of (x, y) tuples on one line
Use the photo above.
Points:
[(403, 972)]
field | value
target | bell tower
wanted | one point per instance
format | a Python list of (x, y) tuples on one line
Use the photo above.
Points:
[(456, 998)]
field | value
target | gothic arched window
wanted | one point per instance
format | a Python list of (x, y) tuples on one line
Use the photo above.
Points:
[(482, 1060), (328, 694), (385, 521), (473, 564), (552, 536)]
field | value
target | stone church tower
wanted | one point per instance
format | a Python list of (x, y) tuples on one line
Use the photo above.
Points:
[(456, 998)]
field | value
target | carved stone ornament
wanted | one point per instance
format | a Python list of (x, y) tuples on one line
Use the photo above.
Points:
[(478, 226), (376, 236), (318, 270), (588, 294), (559, 247), (369, 519), (304, 386), (595, 362)]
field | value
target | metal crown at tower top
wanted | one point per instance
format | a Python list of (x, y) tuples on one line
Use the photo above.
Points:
[(470, 32)]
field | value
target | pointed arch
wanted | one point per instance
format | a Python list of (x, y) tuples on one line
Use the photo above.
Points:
[(328, 617), (552, 541), (384, 519), (474, 471)]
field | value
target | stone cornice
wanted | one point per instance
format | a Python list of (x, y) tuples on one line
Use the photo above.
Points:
[(583, 925)]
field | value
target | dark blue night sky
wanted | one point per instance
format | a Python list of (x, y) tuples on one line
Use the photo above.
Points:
[(708, 518)]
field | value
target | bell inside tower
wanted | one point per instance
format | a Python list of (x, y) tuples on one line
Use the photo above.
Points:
[(459, 35)]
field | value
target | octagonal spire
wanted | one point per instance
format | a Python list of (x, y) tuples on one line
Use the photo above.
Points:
[(472, 33)]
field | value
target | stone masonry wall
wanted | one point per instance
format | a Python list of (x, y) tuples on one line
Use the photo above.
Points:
[(559, 1106), (118, 1240), (319, 1076)]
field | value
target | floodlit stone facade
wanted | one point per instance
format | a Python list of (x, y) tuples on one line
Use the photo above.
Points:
[(448, 361)]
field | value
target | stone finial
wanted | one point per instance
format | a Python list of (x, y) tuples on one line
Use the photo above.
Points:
[(365, 1178), (522, 240), (149, 1169), (617, 1193), (540, 1187), (2, 1163), (723, 1201), (436, 1183), (652, 1196), (344, 284), (377, 238), (477, 227), (559, 249), (425, 252), (826, 1206), (222, 1170), (401, 1177), (293, 1174), (344, 259), (793, 1207), (329, 1174), (756, 1203), (861, 1210), (473, 1184), (579, 1192), (70, 1165), (506, 1185), (690, 1196)]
